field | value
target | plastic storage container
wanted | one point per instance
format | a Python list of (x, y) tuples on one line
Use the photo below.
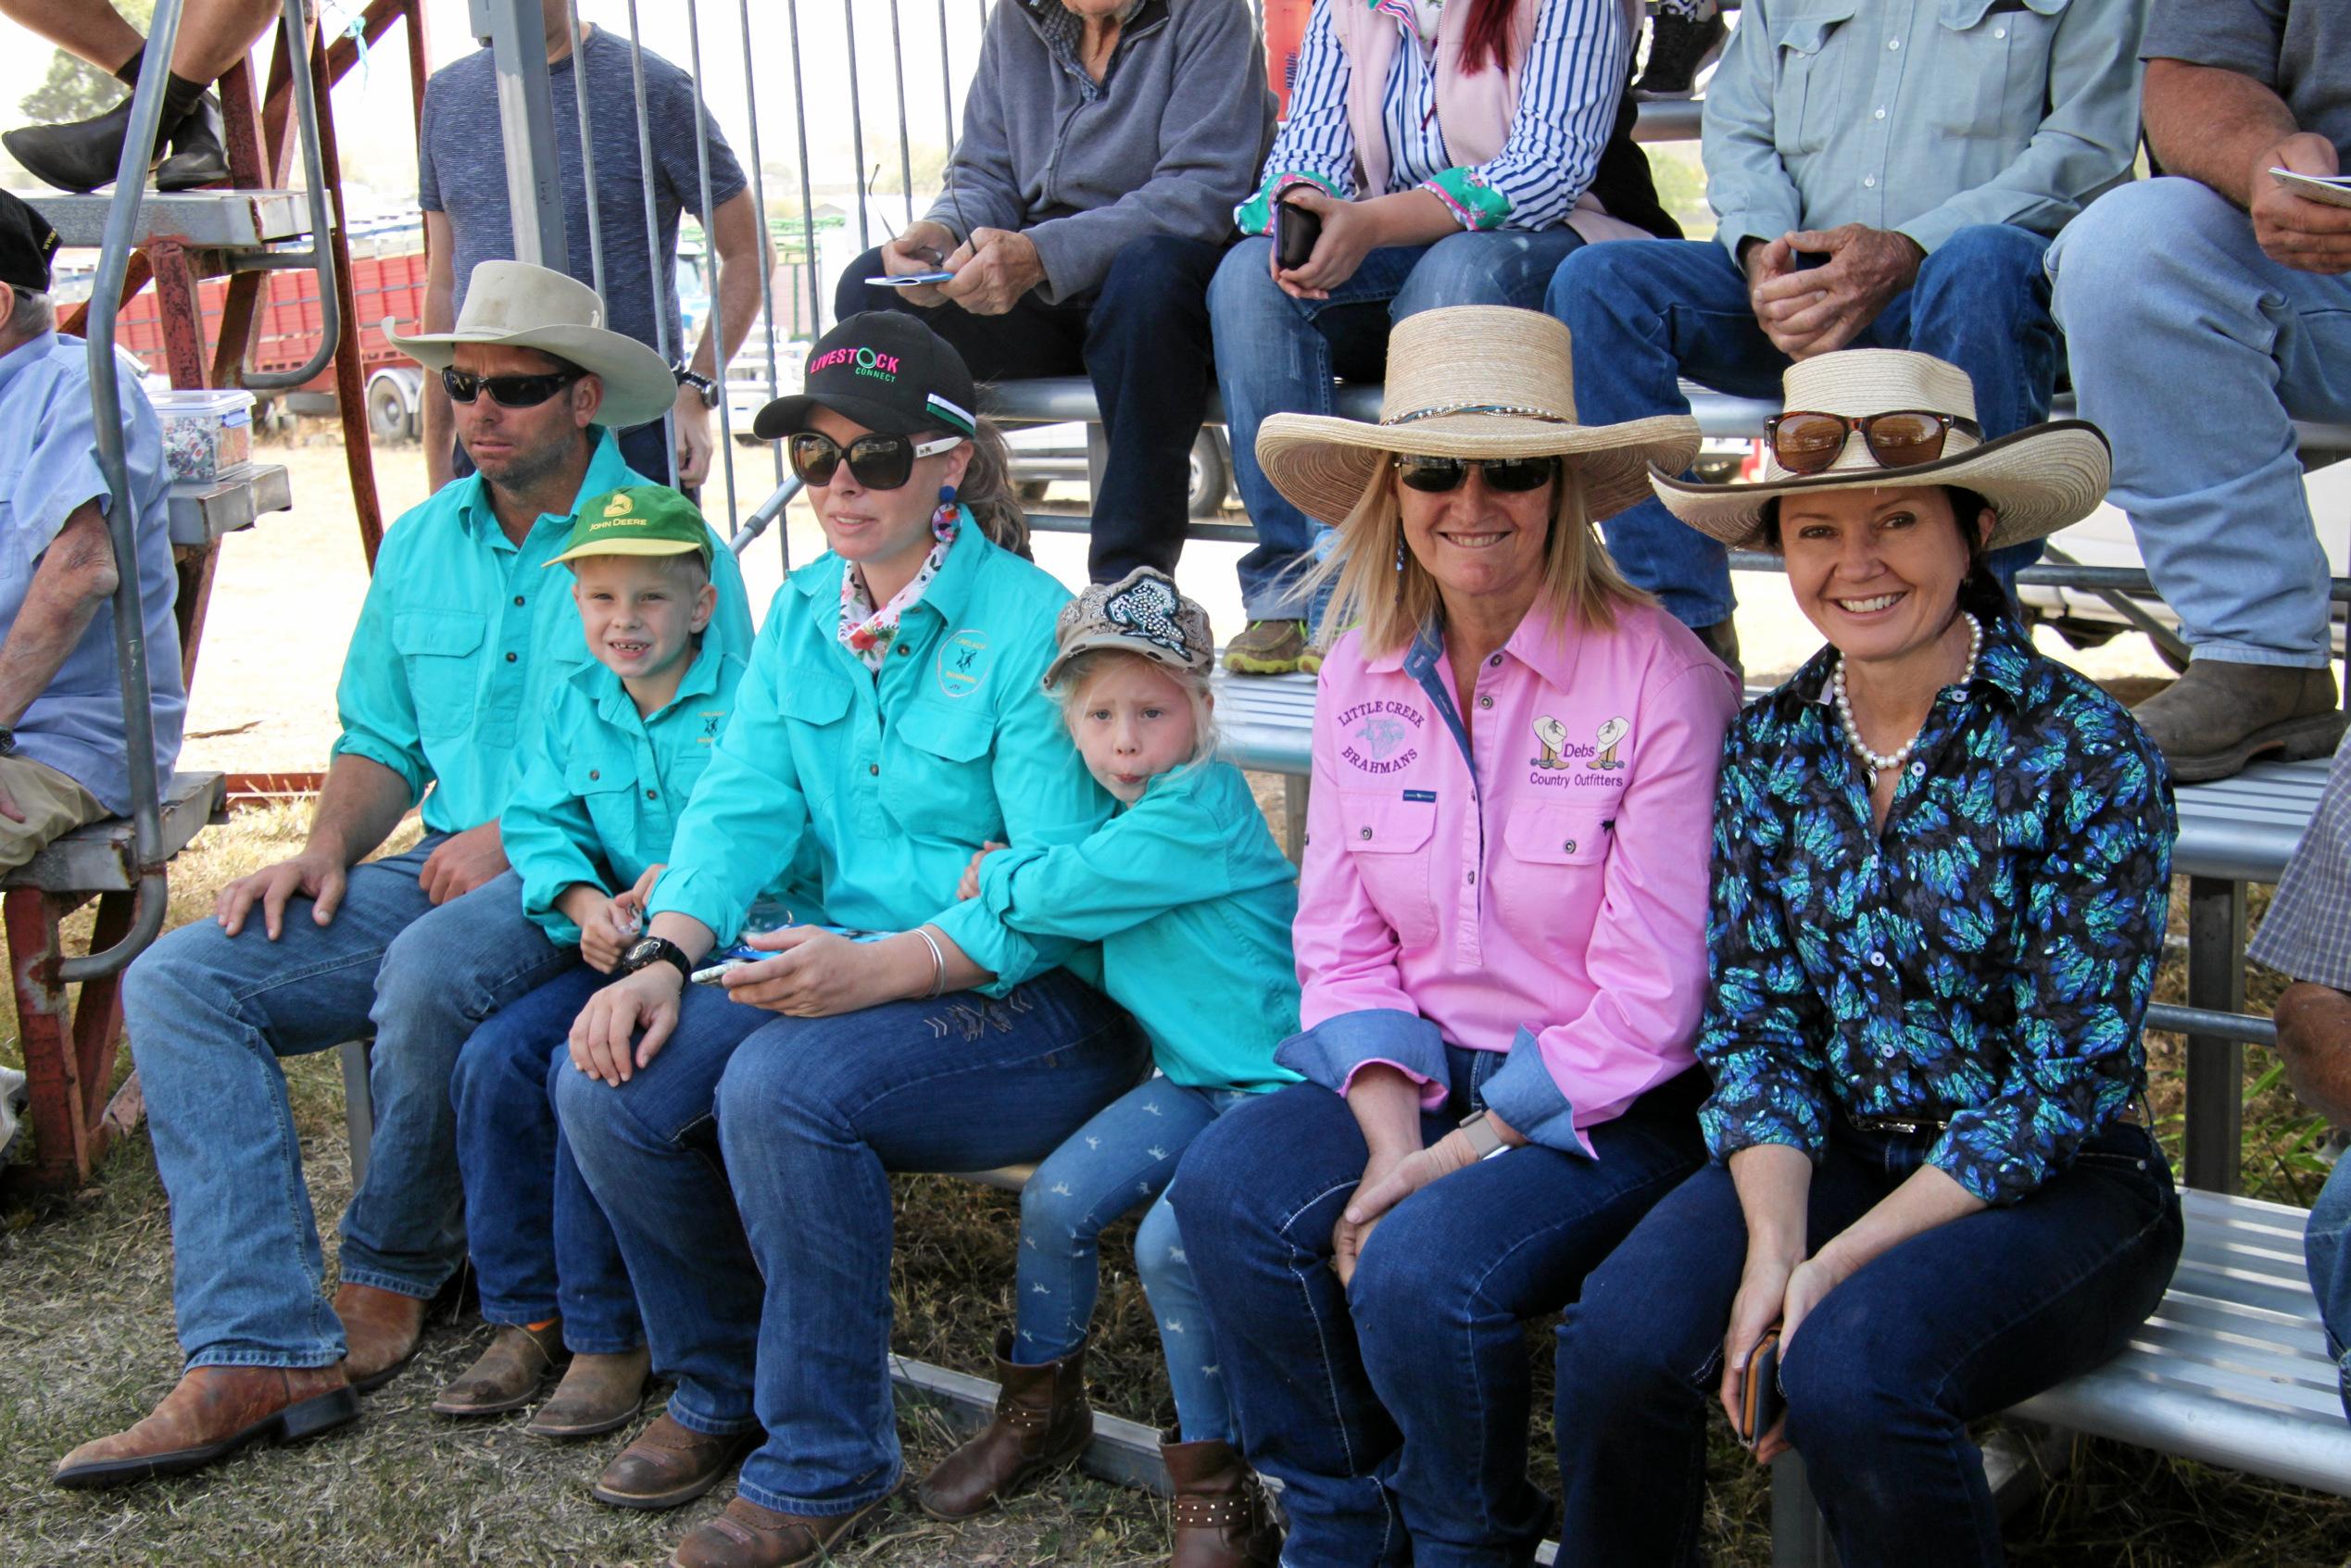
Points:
[(204, 433)]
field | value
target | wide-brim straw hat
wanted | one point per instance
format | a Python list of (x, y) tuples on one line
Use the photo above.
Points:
[(2037, 479), (1472, 381), (518, 306)]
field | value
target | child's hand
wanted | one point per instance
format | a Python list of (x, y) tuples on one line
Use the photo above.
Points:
[(969, 887), (629, 908), (607, 933)]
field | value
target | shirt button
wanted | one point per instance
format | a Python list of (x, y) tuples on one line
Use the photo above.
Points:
[(1880, 115), (1568, 847), (1494, 663), (1876, 961), (1869, 182), (1918, 769), (594, 774), (1893, 43), (652, 795), (1473, 879), (875, 768), (904, 650), (1367, 832), (1999, 33), (1486, 701), (518, 598), (510, 658)]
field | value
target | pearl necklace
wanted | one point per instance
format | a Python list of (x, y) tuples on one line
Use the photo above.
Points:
[(1876, 763)]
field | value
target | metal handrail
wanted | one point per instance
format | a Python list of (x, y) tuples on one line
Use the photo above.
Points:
[(321, 255), (130, 615)]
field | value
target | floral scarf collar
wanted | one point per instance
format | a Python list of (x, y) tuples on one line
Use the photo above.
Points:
[(867, 632)]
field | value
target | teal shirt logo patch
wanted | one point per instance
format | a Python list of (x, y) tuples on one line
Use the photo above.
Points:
[(963, 661)]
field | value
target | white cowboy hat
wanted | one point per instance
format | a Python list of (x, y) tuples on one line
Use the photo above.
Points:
[(2037, 479), (521, 306), (1472, 381)]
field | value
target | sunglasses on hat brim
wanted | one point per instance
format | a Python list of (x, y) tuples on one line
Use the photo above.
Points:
[(876, 462), (1509, 475), (1807, 443)]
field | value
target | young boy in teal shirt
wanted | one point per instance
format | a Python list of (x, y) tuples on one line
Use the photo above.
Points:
[(609, 767)]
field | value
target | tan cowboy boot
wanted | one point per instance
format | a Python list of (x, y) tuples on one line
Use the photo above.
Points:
[(1042, 1423), (506, 1375), (381, 1329), (669, 1464), (214, 1412), (601, 1393), (748, 1536)]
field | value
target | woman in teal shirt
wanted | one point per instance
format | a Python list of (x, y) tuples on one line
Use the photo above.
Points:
[(892, 721)]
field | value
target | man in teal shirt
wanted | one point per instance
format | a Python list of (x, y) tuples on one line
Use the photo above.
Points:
[(460, 640)]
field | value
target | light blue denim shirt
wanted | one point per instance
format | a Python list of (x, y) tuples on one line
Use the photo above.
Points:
[(464, 636), (1920, 116), (48, 472), (1192, 902)]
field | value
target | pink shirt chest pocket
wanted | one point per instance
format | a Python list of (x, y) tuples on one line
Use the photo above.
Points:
[(1546, 881), (1387, 839)]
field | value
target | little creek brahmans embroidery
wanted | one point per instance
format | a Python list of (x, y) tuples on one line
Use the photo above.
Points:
[(1382, 736)]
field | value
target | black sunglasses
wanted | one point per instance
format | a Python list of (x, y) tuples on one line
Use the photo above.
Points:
[(506, 392), (1510, 475), (876, 462)]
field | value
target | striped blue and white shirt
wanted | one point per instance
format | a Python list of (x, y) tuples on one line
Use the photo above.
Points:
[(1569, 86)]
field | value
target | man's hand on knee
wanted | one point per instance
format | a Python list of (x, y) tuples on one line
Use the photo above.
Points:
[(320, 878), (2293, 230), (464, 862), (1820, 309)]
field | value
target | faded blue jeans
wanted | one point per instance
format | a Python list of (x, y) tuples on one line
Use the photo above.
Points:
[(1118, 1161), (2326, 1246), (1276, 355), (1957, 1322), (209, 1015), (780, 1319)]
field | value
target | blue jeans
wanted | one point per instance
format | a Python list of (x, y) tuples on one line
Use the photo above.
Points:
[(1646, 312), (2195, 353), (542, 1247), (1276, 355), (2326, 1246), (1394, 1410), (781, 1319), (209, 1015), (1882, 1380), (1120, 1160)]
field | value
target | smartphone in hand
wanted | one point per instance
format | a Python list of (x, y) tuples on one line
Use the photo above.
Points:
[(1760, 1402), (910, 280), (1295, 231)]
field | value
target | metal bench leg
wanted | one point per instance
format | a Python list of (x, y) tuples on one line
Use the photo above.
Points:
[(1798, 1536), (1294, 818), (2216, 1067), (69, 1056), (359, 1106)]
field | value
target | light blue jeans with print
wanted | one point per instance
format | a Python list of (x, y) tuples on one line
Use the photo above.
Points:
[(209, 1017), (2196, 353), (1120, 1160)]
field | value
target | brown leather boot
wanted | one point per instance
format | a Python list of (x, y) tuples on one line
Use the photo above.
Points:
[(748, 1536), (669, 1464), (1220, 1515), (380, 1330), (601, 1393), (2220, 716), (1042, 1422), (506, 1375), (214, 1412)]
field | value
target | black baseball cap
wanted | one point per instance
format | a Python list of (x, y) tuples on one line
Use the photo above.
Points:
[(26, 244), (886, 371)]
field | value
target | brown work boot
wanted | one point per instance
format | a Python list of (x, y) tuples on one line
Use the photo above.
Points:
[(380, 1331), (214, 1412), (1268, 647), (2220, 715), (1219, 1512), (748, 1536), (1042, 1423), (507, 1374), (601, 1393), (669, 1464)]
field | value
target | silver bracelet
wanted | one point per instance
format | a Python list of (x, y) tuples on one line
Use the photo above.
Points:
[(938, 962)]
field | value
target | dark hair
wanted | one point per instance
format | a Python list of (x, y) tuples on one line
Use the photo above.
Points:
[(987, 489), (1978, 590), (1485, 38)]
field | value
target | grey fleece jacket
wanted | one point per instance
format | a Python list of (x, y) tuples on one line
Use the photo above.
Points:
[(1168, 143)]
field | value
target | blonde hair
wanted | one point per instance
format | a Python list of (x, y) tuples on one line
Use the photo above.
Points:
[(987, 489), (1385, 590), (1086, 667)]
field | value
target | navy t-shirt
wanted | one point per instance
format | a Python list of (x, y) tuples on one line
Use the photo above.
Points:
[(461, 171)]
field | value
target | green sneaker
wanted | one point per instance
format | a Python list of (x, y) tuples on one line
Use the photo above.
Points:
[(1269, 647)]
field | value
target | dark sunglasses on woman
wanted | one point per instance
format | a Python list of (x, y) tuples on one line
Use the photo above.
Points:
[(1808, 443), (876, 462), (506, 392), (1509, 475)]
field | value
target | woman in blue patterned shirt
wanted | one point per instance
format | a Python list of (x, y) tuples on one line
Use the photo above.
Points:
[(1942, 864)]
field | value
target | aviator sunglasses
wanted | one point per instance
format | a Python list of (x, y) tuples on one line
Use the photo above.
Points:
[(506, 392), (1509, 475), (876, 462), (1807, 443)]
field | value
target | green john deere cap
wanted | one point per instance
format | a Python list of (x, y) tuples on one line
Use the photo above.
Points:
[(643, 519)]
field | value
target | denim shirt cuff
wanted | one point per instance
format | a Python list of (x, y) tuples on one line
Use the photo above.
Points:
[(1522, 1093), (1332, 1051)]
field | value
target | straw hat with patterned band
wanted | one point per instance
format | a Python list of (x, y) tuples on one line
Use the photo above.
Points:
[(520, 305), (2038, 479), (1472, 381)]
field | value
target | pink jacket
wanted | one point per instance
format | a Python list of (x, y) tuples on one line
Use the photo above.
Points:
[(1553, 907)]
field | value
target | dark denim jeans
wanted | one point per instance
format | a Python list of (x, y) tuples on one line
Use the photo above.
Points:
[(1142, 338), (1394, 1410), (541, 1246), (1882, 1379), (1646, 312), (781, 1319)]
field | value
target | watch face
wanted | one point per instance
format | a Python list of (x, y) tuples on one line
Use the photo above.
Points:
[(642, 952)]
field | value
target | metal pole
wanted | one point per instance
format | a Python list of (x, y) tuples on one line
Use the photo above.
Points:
[(945, 78), (587, 154), (2212, 1146), (664, 269), (767, 253), (905, 148), (856, 123), (808, 191), (517, 37), (714, 330)]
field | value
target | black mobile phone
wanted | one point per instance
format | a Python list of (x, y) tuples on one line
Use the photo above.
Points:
[(1295, 231), (1760, 1398)]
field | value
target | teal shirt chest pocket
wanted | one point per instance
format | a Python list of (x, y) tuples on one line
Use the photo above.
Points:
[(938, 771), (1815, 43), (1386, 841), (814, 705), (608, 791), (1994, 67), (440, 653)]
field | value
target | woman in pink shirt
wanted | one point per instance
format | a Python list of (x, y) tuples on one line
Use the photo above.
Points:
[(1501, 925)]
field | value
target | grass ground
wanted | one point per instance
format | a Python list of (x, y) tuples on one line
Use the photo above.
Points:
[(86, 1347)]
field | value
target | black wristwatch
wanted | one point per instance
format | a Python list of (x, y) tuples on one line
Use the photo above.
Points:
[(7, 741), (702, 383), (649, 950)]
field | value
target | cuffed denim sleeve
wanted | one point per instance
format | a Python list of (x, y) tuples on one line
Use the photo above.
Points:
[(1333, 1052)]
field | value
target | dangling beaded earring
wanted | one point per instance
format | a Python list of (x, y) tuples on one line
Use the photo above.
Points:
[(945, 517), (1400, 549)]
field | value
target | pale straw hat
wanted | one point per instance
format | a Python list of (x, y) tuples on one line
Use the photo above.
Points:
[(521, 306), (2038, 479), (1472, 381)]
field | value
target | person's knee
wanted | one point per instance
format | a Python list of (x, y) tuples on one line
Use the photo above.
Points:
[(2100, 265), (770, 1089), (592, 1113), (1848, 1392), (1624, 1342), (1149, 268), (1159, 1250), (1053, 1210), (1464, 268), (499, 1066), (1243, 287)]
